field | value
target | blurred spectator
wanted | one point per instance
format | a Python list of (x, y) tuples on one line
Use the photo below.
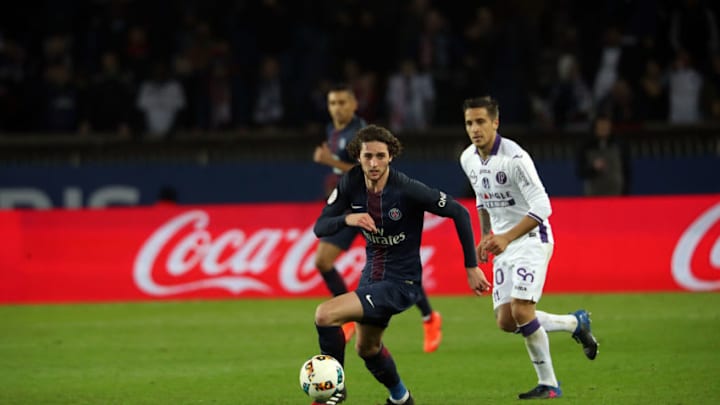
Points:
[(480, 39), (570, 96), (216, 93), (198, 46), (652, 93), (558, 81), (603, 161), (514, 66), (608, 65), (436, 45), (57, 50), (219, 90), (137, 52), (694, 29), (12, 75), (410, 26), (438, 54), (269, 108), (160, 99), (713, 87), (317, 105), (511, 49), (369, 100), (109, 99), (368, 31), (410, 98), (619, 104), (364, 87), (61, 101), (636, 58), (685, 86), (195, 116)]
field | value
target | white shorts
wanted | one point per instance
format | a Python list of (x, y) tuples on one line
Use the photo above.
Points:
[(520, 271)]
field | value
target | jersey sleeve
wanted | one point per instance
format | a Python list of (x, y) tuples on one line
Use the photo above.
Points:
[(345, 156), (528, 181), (441, 204), (332, 217), (470, 176)]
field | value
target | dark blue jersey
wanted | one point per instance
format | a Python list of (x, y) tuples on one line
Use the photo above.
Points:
[(398, 211), (339, 139)]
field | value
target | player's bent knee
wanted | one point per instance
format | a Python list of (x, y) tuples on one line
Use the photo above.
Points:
[(324, 262), (323, 265), (323, 317), (366, 351), (506, 326)]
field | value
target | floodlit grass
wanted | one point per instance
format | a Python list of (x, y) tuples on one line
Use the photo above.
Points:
[(654, 349)]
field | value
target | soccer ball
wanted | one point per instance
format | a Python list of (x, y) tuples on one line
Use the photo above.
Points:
[(322, 376)]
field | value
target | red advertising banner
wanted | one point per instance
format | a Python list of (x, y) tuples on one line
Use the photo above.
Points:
[(266, 250)]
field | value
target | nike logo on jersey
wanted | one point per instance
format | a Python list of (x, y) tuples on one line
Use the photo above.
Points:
[(355, 206), (368, 298)]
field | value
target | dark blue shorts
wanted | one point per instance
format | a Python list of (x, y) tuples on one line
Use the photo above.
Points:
[(383, 299), (344, 238)]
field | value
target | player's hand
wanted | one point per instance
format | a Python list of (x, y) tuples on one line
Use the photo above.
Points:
[(477, 281), (362, 220), (322, 153), (495, 244), (482, 254)]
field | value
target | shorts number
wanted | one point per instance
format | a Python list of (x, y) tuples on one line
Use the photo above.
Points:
[(499, 277)]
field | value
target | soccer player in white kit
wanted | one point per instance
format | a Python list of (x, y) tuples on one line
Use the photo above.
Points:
[(513, 208)]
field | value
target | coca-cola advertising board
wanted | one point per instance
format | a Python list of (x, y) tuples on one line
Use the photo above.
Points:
[(628, 244)]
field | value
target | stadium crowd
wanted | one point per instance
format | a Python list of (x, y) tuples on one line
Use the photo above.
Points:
[(153, 67)]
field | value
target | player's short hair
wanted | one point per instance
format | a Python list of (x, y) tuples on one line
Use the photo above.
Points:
[(490, 104), (374, 133), (341, 88)]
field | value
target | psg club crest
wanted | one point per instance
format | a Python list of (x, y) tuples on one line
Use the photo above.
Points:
[(395, 214)]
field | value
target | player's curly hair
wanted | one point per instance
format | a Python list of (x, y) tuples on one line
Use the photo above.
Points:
[(373, 133)]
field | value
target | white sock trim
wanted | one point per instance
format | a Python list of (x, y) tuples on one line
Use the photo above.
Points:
[(401, 400), (555, 322)]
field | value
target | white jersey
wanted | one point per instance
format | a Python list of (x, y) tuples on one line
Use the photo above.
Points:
[(507, 185)]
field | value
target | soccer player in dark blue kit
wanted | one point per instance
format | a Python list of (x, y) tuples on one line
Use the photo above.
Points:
[(388, 207), (342, 105)]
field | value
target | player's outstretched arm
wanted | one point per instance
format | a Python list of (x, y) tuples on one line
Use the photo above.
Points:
[(439, 203)]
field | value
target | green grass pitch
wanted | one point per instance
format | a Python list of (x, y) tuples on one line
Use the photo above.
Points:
[(654, 349)]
